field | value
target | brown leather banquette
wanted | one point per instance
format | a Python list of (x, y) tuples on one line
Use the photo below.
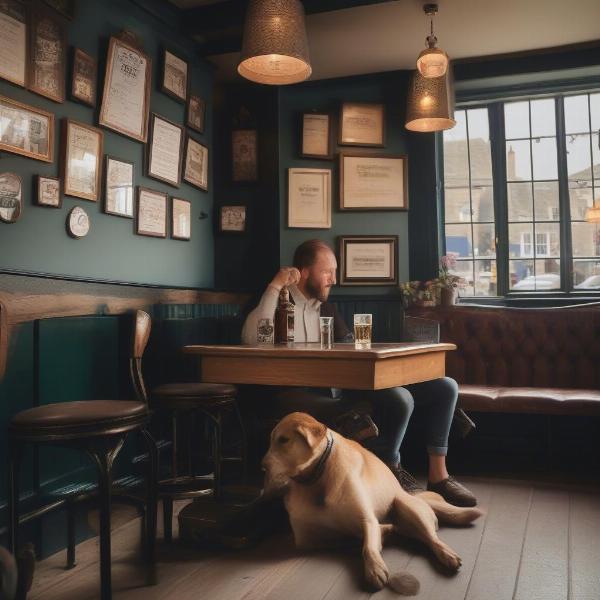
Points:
[(523, 360)]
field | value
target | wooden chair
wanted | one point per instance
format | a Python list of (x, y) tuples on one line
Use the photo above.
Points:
[(213, 400), (99, 428)]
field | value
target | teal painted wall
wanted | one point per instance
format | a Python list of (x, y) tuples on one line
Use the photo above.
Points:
[(38, 241), (386, 88)]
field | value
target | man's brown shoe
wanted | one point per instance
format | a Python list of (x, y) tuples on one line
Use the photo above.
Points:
[(453, 492), (405, 479)]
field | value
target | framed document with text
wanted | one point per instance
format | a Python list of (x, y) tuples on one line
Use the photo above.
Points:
[(81, 159), (83, 78), (26, 130), (118, 187), (181, 219), (309, 198), (244, 153), (174, 80), (316, 136), (164, 149), (126, 95), (373, 182), (13, 41), (48, 191), (232, 219), (195, 169), (151, 213), (368, 259), (196, 108), (362, 124)]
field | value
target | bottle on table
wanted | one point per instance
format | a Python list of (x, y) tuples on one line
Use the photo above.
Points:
[(284, 318)]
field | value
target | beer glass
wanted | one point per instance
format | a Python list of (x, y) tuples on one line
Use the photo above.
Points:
[(362, 330), (264, 331), (326, 329)]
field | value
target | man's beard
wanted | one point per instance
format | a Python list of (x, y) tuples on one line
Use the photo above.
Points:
[(320, 293)]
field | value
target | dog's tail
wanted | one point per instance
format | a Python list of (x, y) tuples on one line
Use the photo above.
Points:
[(449, 514), (404, 583)]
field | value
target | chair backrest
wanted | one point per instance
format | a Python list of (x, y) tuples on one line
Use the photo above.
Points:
[(421, 330), (141, 333)]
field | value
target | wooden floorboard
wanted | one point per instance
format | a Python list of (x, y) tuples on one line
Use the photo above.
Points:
[(535, 542)]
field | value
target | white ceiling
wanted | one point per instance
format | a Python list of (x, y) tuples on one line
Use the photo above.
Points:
[(389, 36)]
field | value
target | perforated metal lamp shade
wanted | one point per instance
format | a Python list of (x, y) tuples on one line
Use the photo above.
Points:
[(430, 103), (275, 46)]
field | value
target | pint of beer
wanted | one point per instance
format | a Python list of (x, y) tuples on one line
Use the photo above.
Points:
[(363, 324)]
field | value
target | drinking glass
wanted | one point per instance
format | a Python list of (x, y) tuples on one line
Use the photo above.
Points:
[(264, 331), (363, 324), (326, 329)]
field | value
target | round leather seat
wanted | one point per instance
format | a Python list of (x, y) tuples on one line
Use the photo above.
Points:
[(194, 395)]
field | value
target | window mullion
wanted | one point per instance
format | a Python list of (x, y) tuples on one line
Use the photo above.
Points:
[(566, 251)]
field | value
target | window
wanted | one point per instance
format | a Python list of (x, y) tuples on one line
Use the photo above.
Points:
[(506, 226)]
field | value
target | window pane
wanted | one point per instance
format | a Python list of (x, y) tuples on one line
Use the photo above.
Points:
[(516, 120), (586, 274), (521, 274), (479, 147), (596, 157), (595, 110), (547, 240), (578, 157), (543, 121), (544, 158), (577, 118), (586, 239), (485, 278), (520, 240), (483, 204), (520, 202), (464, 269), (456, 156), (580, 194), (457, 206), (484, 241), (518, 161), (547, 274), (458, 240), (545, 194)]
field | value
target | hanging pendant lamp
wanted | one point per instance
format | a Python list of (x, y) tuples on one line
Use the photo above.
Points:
[(275, 46), (433, 61), (592, 214), (430, 103)]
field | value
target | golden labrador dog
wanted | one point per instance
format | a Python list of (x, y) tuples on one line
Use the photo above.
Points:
[(335, 489)]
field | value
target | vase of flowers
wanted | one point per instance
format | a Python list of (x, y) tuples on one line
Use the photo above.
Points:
[(447, 282), (418, 293)]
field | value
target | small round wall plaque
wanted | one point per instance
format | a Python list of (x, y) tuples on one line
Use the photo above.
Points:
[(78, 222), (11, 201)]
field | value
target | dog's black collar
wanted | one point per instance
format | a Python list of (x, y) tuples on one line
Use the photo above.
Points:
[(316, 473)]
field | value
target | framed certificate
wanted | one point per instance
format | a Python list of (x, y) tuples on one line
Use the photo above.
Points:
[(11, 197), (244, 153), (195, 169), (309, 198), (181, 219), (368, 260), (48, 191), (362, 124), (174, 81), (373, 182), (196, 109), (47, 55), (316, 136), (126, 95), (163, 159), (26, 130), (13, 41), (151, 213), (81, 159), (83, 78), (118, 187), (232, 219)]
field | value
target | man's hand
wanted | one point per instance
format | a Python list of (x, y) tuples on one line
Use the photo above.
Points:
[(285, 276)]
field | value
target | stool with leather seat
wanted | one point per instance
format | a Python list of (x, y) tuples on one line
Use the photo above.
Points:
[(214, 400)]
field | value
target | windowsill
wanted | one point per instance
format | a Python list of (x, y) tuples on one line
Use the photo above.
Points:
[(532, 299)]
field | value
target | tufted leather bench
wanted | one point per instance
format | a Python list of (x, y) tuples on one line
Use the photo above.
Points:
[(523, 360)]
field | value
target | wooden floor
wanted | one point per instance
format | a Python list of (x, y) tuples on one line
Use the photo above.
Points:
[(536, 542)]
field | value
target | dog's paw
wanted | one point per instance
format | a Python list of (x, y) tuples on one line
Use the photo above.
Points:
[(376, 572), (448, 557)]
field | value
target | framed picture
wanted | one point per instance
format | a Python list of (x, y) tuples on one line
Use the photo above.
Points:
[(48, 191), (232, 219), (11, 197), (83, 78), (126, 95), (81, 159), (181, 219), (174, 80), (151, 213), (373, 182), (78, 223), (195, 169), (26, 130), (309, 198), (362, 124), (47, 55), (316, 136), (244, 153), (163, 158), (368, 259), (13, 41), (118, 187), (196, 109), (65, 7)]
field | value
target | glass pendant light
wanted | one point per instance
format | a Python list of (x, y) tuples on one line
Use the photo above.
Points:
[(430, 103), (275, 46), (433, 61)]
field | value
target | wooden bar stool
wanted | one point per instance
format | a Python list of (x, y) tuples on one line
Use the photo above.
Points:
[(213, 400)]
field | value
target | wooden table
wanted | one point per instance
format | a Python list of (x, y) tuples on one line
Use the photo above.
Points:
[(342, 366)]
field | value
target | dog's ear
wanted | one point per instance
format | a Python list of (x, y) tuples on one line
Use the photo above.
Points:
[(311, 433)]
